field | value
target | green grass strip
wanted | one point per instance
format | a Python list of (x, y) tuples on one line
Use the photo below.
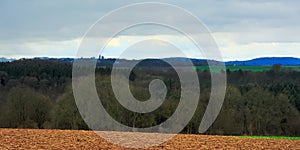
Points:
[(271, 137)]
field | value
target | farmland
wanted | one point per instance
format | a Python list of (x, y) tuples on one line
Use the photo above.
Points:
[(71, 139)]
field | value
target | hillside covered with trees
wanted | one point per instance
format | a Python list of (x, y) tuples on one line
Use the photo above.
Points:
[(38, 94)]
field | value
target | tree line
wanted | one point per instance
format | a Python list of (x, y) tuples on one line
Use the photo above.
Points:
[(38, 94)]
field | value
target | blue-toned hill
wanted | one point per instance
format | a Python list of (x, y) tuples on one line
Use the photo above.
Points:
[(267, 61)]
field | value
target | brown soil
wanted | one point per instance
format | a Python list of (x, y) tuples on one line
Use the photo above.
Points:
[(67, 139)]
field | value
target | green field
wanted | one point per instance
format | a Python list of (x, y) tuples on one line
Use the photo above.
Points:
[(244, 68), (271, 137)]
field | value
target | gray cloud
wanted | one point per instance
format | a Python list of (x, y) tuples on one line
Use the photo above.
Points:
[(246, 21)]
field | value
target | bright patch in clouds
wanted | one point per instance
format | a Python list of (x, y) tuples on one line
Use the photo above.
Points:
[(115, 42), (151, 46)]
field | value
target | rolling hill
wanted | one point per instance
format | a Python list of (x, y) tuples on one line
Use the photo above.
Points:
[(267, 61)]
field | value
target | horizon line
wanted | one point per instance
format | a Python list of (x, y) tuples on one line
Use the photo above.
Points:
[(225, 60)]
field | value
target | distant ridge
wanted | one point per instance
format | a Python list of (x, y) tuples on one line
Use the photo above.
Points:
[(267, 61), (3, 59), (264, 61)]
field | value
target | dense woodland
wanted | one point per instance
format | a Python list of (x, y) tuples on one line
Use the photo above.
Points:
[(37, 94)]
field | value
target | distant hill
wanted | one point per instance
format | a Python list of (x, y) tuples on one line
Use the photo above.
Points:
[(3, 59), (267, 61), (181, 61)]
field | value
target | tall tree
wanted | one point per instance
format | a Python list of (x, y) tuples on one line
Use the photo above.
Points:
[(65, 113), (26, 106)]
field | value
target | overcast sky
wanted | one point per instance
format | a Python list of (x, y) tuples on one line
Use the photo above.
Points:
[(243, 29)]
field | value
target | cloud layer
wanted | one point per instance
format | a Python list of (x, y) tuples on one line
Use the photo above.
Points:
[(242, 29)]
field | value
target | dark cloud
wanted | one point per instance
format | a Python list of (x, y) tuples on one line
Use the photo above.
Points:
[(71, 18)]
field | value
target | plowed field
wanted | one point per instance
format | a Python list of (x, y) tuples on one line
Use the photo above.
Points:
[(66, 139)]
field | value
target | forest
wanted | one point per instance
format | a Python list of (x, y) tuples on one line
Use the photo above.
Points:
[(38, 94)]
